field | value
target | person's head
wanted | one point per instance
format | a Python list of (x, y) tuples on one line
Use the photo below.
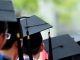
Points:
[(13, 28), (2, 34), (35, 42)]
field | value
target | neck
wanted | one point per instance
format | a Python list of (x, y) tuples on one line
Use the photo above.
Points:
[(15, 52), (14, 47), (36, 56)]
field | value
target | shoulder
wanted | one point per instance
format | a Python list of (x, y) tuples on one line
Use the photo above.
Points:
[(44, 54)]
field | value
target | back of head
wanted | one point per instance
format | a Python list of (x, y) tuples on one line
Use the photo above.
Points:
[(35, 42)]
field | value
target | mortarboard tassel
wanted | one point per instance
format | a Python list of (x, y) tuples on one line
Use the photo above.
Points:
[(30, 53), (50, 57), (20, 50), (28, 38)]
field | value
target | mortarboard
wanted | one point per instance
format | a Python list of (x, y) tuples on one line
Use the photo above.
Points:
[(63, 46), (6, 11), (32, 25)]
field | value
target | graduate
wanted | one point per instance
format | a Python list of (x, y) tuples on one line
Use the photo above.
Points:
[(7, 14), (33, 46)]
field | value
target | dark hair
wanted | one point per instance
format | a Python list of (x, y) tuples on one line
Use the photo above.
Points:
[(13, 28), (2, 27), (35, 43)]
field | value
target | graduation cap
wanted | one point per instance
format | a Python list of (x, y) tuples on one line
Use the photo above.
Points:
[(7, 11), (32, 25), (63, 47)]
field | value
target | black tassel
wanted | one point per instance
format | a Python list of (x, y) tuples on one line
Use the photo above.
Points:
[(50, 48)]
